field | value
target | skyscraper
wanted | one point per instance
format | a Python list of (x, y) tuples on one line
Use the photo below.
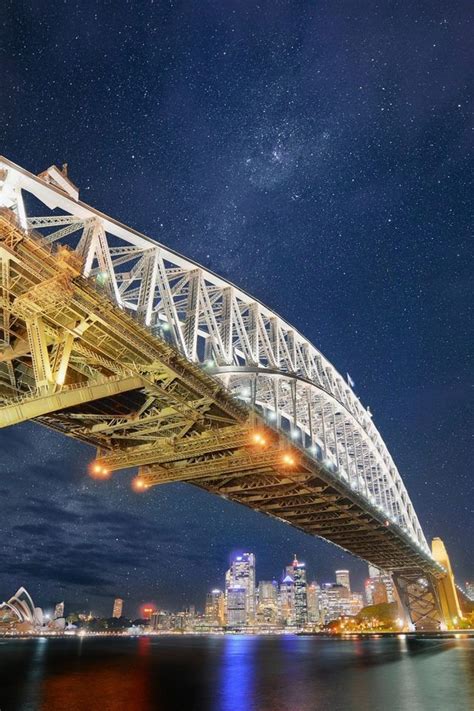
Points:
[(236, 607), (334, 601), (355, 604), (267, 608), (301, 598), (287, 600), (241, 574), (118, 607), (313, 603), (377, 576), (59, 610), (215, 612), (342, 578), (379, 592)]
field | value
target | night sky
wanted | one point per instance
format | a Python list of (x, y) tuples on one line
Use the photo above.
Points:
[(317, 154)]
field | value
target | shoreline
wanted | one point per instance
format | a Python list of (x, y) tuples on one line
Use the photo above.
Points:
[(449, 634)]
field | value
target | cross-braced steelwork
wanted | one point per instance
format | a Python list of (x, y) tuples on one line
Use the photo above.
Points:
[(115, 339)]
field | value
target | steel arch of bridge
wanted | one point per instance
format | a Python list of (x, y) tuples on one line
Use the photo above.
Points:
[(260, 358)]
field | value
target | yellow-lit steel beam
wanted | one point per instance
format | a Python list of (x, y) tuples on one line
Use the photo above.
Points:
[(241, 461), (170, 450), (29, 407)]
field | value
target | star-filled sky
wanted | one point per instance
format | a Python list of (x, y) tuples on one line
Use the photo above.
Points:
[(318, 155)]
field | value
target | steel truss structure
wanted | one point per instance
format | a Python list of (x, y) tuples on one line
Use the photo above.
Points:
[(113, 338)]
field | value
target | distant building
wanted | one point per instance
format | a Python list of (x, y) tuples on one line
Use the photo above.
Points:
[(267, 606), (147, 612), (356, 603), (301, 598), (379, 592), (118, 607), (215, 610), (237, 606), (334, 602), (313, 603), (287, 600), (379, 587), (343, 578), (59, 610), (369, 591), (241, 574), (160, 620)]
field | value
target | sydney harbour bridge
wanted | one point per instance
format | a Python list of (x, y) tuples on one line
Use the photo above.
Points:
[(113, 339)]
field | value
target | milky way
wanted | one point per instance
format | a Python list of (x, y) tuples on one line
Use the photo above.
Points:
[(317, 155)]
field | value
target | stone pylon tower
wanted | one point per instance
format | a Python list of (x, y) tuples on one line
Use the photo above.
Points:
[(447, 594)]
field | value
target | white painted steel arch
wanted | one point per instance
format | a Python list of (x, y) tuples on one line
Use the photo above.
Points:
[(260, 357)]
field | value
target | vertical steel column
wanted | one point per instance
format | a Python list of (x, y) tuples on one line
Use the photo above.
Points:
[(39, 353), (146, 293), (192, 314)]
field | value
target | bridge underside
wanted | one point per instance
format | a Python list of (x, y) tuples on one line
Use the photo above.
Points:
[(73, 361)]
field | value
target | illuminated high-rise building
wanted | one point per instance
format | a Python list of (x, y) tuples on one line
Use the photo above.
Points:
[(215, 611), (379, 592), (301, 598), (59, 610), (267, 607), (369, 590), (160, 620), (147, 611), (236, 606), (241, 574), (334, 602), (343, 578), (313, 603), (287, 600), (355, 604), (377, 579), (118, 608)]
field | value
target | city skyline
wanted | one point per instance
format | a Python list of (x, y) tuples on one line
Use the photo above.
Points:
[(241, 577)]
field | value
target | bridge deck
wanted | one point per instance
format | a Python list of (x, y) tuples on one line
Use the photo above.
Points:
[(75, 362)]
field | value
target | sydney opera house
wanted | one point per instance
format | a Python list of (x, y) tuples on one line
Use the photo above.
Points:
[(19, 614)]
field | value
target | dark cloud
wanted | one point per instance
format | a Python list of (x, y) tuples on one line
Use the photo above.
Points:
[(59, 574)]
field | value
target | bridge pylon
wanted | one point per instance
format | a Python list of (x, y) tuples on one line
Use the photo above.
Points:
[(418, 598), (429, 602), (446, 588)]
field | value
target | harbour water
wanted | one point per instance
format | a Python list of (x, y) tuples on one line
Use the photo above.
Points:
[(236, 673)]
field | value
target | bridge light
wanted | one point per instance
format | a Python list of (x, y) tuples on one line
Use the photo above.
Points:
[(98, 471), (387, 523), (288, 460), (295, 433), (101, 278), (139, 484), (259, 439)]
